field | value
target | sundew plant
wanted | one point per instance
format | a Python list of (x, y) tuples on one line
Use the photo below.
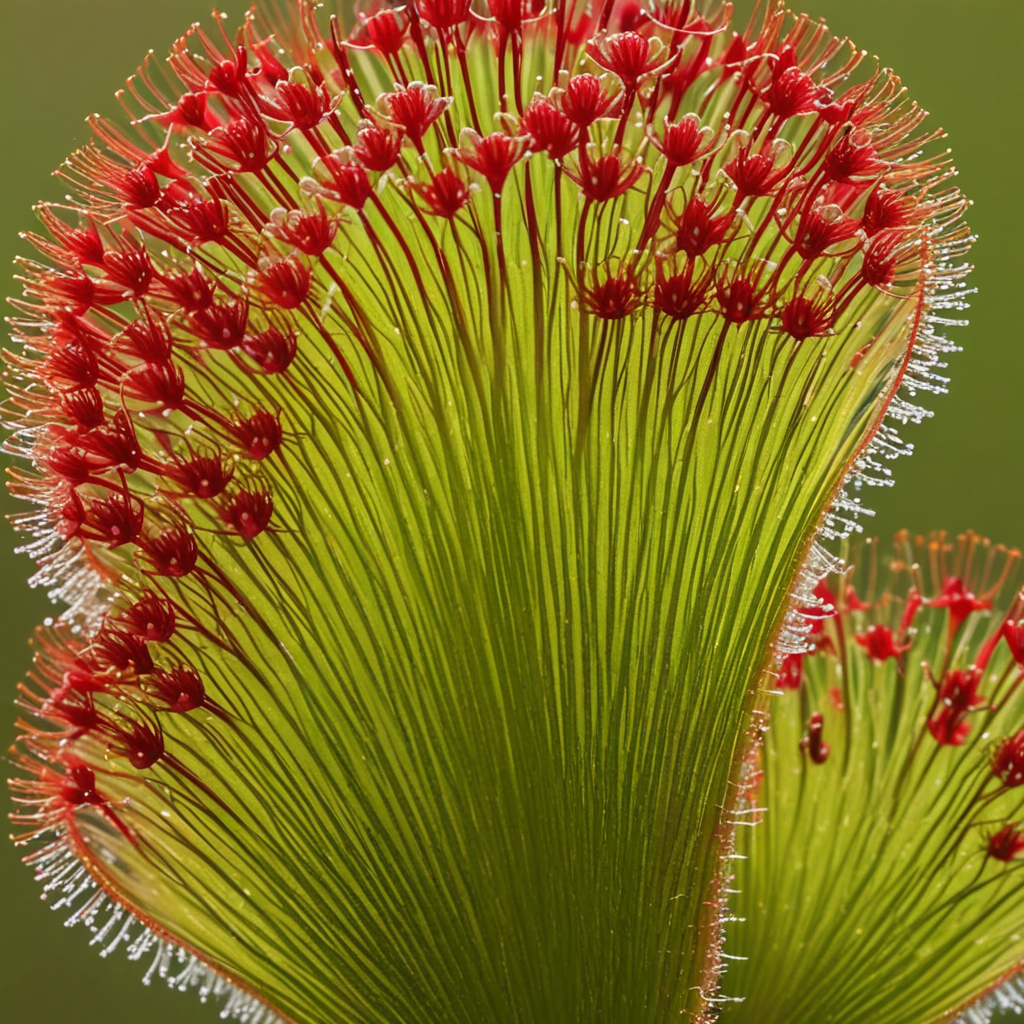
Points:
[(440, 424)]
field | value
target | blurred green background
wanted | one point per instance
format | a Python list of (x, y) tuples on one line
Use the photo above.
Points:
[(62, 59)]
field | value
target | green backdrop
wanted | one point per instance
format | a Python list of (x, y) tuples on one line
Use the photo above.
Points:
[(62, 59)]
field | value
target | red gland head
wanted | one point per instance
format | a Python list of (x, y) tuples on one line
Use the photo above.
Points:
[(346, 181), (191, 291), (1008, 760), (222, 324), (201, 220), (443, 15), (73, 711), (1013, 631), (147, 339), (272, 349), (793, 93), (881, 260), (204, 476), (757, 173), (678, 295), (414, 108), (386, 31), (958, 696), (629, 55), (683, 142), (82, 679), (117, 445), (171, 552), (114, 520), (510, 14), (311, 232), (607, 177), (150, 618), (70, 517), (492, 156), (159, 384), (548, 129), (259, 435), (83, 244), (285, 282), (71, 367), (269, 70), (137, 188), (71, 293), (229, 75), (803, 317), (613, 294), (959, 690), (177, 690), (141, 743), (77, 787), (1007, 844), (852, 160), (130, 269), (959, 600), (445, 194), (698, 228), (377, 149), (821, 228), (249, 512), (911, 607), (791, 672), (191, 111), (583, 100), (84, 408), (880, 645), (299, 104), (887, 210), (244, 143), (741, 296), (120, 651), (813, 742), (71, 464)]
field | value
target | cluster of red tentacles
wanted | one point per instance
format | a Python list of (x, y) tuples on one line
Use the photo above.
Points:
[(958, 678), (132, 329), (85, 698)]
